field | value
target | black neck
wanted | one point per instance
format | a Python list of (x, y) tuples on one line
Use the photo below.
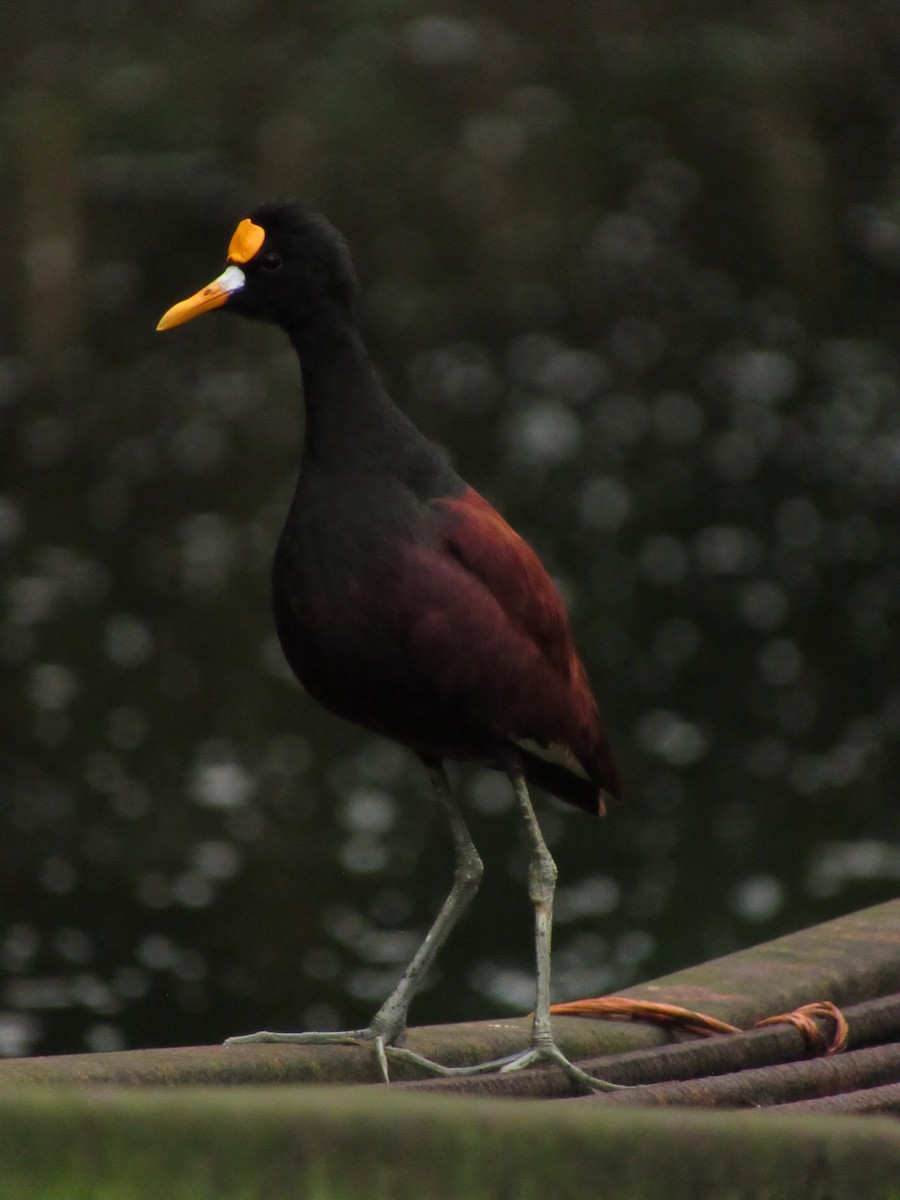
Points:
[(347, 409), (350, 418)]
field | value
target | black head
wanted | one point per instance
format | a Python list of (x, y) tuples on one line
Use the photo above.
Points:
[(286, 263)]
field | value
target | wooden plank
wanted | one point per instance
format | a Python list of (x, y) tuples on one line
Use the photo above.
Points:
[(851, 959)]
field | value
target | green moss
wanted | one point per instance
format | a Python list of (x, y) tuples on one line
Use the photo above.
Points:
[(338, 1144)]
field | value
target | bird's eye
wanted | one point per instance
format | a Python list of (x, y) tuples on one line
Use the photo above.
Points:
[(270, 261)]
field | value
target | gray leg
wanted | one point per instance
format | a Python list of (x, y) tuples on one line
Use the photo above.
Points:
[(389, 1023), (542, 875), (541, 889), (390, 1020)]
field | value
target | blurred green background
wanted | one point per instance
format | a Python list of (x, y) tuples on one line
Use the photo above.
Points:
[(639, 271)]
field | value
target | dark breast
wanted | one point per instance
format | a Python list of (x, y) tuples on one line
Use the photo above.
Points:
[(431, 622), (340, 592)]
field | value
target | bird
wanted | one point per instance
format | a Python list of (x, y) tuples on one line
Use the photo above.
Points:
[(404, 602)]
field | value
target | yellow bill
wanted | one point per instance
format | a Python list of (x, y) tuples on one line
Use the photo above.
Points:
[(246, 242), (212, 296)]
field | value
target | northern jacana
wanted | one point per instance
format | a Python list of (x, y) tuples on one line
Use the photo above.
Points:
[(404, 601)]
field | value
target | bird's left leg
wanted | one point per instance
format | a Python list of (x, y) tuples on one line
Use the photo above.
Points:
[(390, 1020), (389, 1023)]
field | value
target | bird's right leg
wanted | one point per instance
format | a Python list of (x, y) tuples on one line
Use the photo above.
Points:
[(389, 1023)]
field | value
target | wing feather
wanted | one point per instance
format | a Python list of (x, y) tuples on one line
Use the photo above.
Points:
[(533, 687)]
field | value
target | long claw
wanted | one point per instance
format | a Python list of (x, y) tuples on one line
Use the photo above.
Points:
[(510, 1062), (553, 1054), (381, 1055), (347, 1037), (428, 1064)]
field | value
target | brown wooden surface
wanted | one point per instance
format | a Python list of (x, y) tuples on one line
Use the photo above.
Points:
[(848, 960)]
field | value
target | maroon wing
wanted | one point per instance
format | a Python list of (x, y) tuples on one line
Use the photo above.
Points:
[(526, 682)]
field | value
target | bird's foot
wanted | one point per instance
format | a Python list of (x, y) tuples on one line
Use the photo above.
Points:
[(383, 1046), (348, 1036), (386, 1050), (550, 1052), (338, 1037), (547, 1051), (401, 1054)]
